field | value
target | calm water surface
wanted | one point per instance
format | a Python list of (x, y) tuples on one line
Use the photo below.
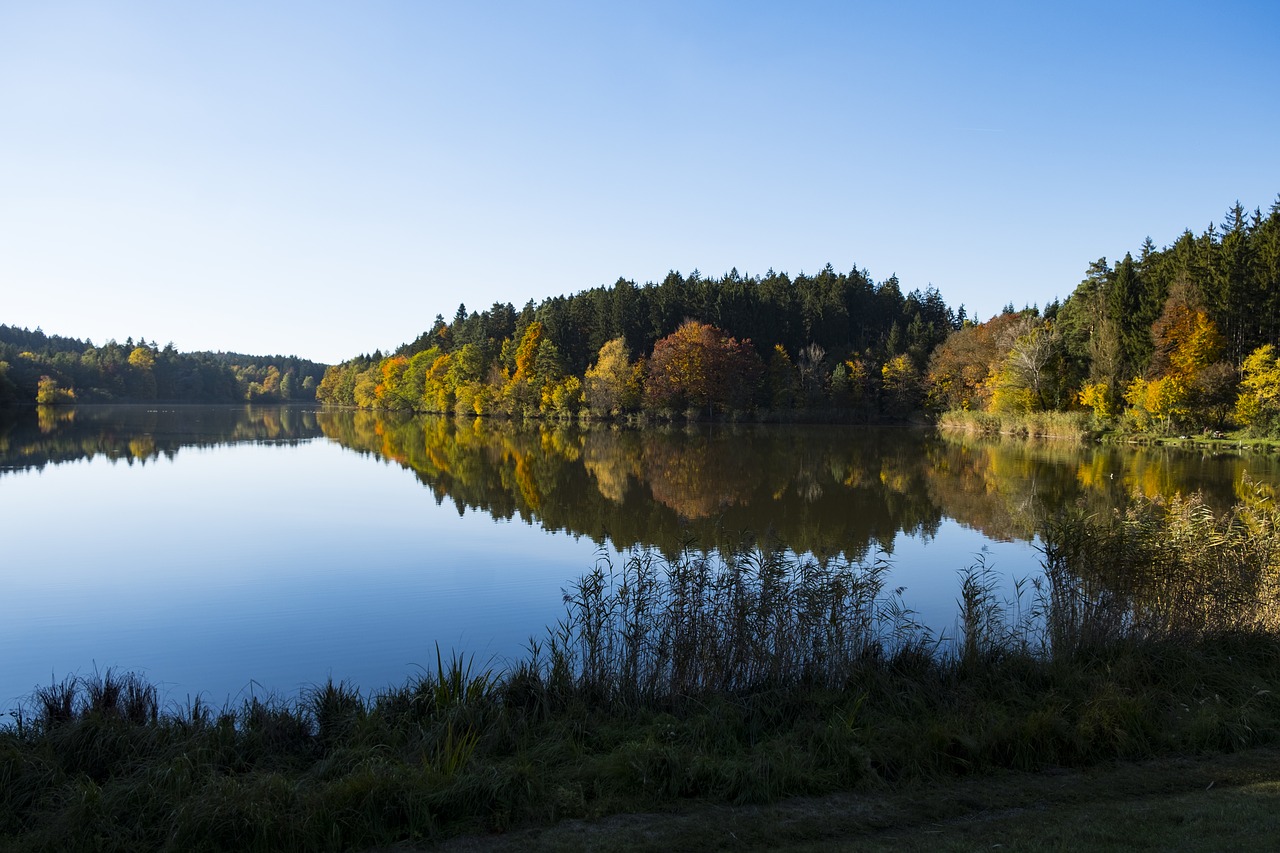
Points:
[(237, 550)]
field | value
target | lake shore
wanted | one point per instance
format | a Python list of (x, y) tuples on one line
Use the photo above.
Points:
[(913, 751), (698, 688)]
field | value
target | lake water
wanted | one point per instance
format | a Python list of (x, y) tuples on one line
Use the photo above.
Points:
[(225, 551)]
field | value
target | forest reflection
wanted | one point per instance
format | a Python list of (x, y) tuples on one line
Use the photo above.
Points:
[(826, 490), (822, 489), (34, 438)]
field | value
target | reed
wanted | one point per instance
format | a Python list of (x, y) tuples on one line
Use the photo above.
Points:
[(750, 620), (1066, 426), (1163, 570)]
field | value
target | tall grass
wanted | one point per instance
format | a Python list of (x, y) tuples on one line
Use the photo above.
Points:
[(1069, 426), (1163, 569), (747, 620), (733, 676)]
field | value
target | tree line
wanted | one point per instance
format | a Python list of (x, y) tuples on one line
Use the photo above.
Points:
[(1179, 339), (831, 342), (50, 369)]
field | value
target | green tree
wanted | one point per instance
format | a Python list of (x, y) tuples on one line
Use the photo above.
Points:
[(8, 389), (782, 380)]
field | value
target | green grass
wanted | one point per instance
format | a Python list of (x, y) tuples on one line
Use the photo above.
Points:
[(742, 680), (1234, 441), (1217, 802)]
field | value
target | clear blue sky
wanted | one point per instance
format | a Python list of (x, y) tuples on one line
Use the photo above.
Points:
[(322, 179)]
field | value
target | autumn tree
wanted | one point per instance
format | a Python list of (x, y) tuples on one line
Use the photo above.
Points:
[(902, 390), (611, 385), (1024, 380), (960, 366), (395, 389), (141, 383), (848, 384), (1258, 406), (51, 393), (782, 382), (1188, 385), (699, 366)]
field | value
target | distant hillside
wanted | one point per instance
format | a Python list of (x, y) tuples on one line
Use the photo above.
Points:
[(38, 367)]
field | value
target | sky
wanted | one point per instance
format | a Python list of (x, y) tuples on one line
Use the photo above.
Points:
[(323, 179)]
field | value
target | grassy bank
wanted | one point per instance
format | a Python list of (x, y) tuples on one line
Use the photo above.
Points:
[(1069, 426), (742, 679), (1232, 442), (1208, 802)]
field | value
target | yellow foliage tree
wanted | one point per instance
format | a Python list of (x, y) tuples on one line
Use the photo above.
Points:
[(142, 358), (901, 386), (1258, 406), (527, 352), (562, 399), (610, 387), (50, 393), (1188, 345), (1098, 397)]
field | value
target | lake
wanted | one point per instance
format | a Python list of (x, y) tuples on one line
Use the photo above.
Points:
[(237, 550)]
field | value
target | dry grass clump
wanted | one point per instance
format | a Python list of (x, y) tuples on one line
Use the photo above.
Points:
[(1070, 426), (1163, 569)]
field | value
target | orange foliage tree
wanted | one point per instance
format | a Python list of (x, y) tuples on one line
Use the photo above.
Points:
[(1188, 383), (700, 366)]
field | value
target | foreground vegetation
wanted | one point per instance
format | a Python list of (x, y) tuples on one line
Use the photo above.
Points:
[(1210, 802), (743, 677)]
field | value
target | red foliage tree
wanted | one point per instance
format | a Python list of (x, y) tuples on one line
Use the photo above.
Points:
[(700, 366)]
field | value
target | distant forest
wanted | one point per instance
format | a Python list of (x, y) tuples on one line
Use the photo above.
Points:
[(1175, 339), (49, 369)]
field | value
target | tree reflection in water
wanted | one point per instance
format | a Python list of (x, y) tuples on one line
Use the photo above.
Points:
[(816, 489)]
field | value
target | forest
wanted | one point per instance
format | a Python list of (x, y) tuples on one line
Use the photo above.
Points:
[(690, 345), (1176, 339), (49, 369)]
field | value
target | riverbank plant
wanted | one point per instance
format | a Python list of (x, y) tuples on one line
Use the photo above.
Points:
[(1070, 426), (741, 676)]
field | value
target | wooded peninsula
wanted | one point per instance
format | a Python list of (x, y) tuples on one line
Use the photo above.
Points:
[(1175, 340)]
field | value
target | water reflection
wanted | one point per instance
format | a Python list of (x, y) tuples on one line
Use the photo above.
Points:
[(281, 557), (825, 490), (34, 438)]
